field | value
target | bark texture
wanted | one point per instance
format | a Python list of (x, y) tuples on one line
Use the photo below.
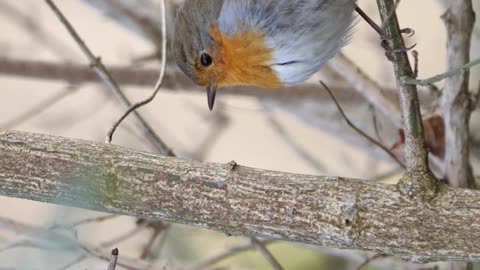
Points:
[(456, 103), (415, 150), (319, 210)]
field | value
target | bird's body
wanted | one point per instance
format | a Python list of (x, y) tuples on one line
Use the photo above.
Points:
[(266, 43)]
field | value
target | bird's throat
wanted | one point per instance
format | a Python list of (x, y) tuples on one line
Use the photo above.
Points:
[(243, 59)]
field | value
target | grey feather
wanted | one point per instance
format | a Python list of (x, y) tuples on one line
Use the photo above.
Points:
[(302, 33)]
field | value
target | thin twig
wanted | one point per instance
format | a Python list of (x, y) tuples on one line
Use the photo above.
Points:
[(369, 260), (82, 222), (73, 262), (225, 254), (113, 259), (358, 130), (106, 77), (415, 64), (58, 241), (443, 76), (120, 238), (158, 228), (369, 20), (158, 84), (260, 247), (375, 125)]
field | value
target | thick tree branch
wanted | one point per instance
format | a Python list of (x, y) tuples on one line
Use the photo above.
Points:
[(333, 211)]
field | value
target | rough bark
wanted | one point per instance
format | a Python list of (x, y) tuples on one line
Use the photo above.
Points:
[(319, 210), (456, 103), (415, 150)]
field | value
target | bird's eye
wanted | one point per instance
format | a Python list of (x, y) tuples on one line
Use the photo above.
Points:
[(205, 59)]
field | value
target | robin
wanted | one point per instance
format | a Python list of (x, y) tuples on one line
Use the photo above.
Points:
[(265, 43)]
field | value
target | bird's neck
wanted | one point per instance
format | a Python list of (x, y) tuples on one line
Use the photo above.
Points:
[(243, 59)]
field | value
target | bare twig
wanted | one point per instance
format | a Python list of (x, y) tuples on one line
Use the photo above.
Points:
[(369, 260), (106, 77), (266, 254), (158, 84), (127, 235), (443, 76), (113, 259), (376, 126), (53, 239), (82, 222), (225, 255), (73, 262), (359, 131), (158, 228), (415, 66)]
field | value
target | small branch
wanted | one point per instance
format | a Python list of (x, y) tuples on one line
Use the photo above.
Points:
[(359, 131), (441, 77), (113, 259), (369, 260), (107, 78), (158, 228), (260, 247), (422, 182), (158, 84), (83, 222), (225, 255), (320, 210), (73, 262)]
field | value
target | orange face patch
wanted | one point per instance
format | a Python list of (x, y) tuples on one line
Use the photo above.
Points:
[(241, 59)]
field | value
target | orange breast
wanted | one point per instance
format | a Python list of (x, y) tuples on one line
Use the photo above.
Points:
[(241, 59)]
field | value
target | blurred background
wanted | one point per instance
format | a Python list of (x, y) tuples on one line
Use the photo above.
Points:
[(46, 87)]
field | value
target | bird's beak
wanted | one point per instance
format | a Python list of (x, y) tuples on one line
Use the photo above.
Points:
[(211, 92)]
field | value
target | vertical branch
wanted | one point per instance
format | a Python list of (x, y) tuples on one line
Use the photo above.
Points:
[(418, 182), (415, 150), (459, 20)]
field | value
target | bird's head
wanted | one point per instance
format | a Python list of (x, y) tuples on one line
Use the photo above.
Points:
[(213, 59)]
